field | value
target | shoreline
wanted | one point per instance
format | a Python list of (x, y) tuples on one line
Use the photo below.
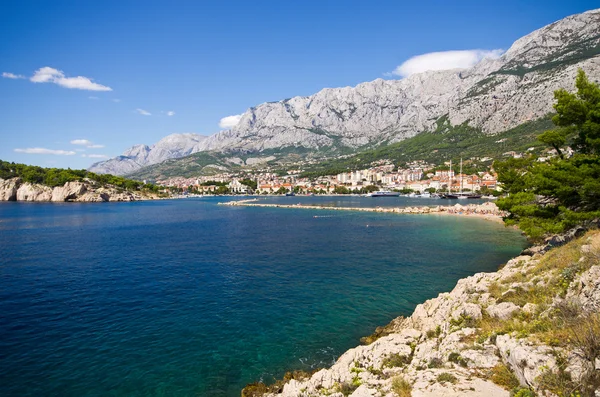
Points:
[(481, 339), (487, 211)]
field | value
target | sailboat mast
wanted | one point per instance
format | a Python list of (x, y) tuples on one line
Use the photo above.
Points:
[(461, 178), (450, 179)]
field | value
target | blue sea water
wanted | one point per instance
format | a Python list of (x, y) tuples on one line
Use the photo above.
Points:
[(188, 298)]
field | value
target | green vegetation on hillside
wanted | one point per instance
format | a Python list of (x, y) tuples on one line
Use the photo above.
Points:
[(59, 176), (201, 163), (553, 196), (445, 143)]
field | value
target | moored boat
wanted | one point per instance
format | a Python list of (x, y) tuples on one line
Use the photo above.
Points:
[(384, 193)]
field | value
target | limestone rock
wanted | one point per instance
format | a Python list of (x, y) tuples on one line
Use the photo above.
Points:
[(526, 360), (70, 191), (31, 192), (9, 188), (586, 289), (503, 311)]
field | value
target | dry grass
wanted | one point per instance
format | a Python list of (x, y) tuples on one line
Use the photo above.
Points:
[(401, 387), (503, 376)]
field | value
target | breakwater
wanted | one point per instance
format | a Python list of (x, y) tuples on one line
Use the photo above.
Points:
[(487, 210)]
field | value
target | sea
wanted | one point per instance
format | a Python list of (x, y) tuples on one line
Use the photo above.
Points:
[(190, 298)]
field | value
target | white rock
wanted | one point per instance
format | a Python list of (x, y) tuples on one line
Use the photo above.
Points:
[(30, 192), (503, 311), (9, 188)]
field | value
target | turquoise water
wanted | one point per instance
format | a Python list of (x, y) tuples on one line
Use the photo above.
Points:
[(187, 298)]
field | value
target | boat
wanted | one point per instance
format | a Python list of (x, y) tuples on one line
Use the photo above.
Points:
[(449, 195), (290, 194), (384, 193)]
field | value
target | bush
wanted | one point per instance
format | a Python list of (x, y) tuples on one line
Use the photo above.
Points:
[(396, 360), (401, 387), (457, 359), (446, 377), (503, 376)]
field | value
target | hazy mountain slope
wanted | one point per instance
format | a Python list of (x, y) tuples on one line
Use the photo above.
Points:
[(138, 156)]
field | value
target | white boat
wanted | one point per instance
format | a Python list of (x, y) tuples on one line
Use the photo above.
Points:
[(384, 193)]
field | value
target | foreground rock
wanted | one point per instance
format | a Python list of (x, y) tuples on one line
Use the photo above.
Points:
[(531, 327), (16, 190)]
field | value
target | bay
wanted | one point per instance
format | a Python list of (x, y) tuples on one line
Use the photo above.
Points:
[(188, 298)]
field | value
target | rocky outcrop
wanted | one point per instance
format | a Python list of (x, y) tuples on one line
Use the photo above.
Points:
[(9, 188), (485, 337), (494, 95), (15, 190), (34, 192)]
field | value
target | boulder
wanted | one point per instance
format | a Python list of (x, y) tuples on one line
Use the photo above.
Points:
[(503, 311), (527, 361)]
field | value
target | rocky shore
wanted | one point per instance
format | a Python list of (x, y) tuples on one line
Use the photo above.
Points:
[(487, 210), (87, 191), (530, 329)]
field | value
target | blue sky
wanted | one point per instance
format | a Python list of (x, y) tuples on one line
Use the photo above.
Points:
[(151, 68)]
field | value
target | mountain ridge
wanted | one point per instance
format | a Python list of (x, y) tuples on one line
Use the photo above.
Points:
[(495, 95)]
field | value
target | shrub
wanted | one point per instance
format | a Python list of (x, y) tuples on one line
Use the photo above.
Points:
[(435, 363), (401, 387), (446, 377), (457, 359), (503, 376), (396, 360), (522, 392)]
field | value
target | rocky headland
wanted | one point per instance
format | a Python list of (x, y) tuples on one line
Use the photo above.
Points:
[(15, 189), (530, 329)]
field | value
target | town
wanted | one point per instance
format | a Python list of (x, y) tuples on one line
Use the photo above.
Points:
[(416, 177)]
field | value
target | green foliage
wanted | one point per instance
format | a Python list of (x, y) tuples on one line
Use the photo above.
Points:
[(250, 183), (396, 360), (553, 196), (446, 377), (503, 376), (445, 143), (457, 359), (522, 392), (58, 176)]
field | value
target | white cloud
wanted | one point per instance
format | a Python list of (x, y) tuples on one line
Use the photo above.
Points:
[(143, 112), (170, 113), (444, 60), (86, 143), (116, 100), (95, 156), (230, 121), (8, 75), (51, 75), (39, 150), (82, 142)]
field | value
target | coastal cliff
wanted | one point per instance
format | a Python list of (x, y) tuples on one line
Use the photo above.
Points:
[(531, 328), (15, 189)]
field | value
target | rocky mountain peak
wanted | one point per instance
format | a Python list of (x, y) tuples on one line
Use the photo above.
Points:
[(494, 95)]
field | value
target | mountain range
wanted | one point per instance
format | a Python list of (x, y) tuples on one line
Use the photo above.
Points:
[(493, 96)]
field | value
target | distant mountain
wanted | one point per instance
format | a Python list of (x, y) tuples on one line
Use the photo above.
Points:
[(138, 156), (494, 95)]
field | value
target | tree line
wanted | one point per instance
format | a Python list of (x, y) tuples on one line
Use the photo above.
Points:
[(59, 176)]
